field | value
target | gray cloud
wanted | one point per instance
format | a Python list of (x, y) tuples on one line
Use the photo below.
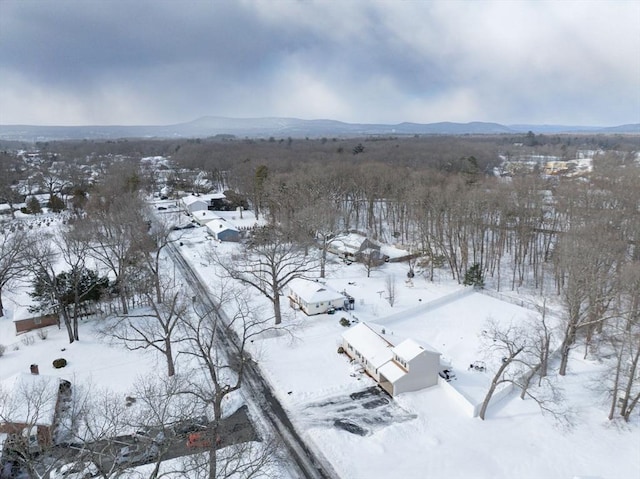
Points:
[(121, 62)]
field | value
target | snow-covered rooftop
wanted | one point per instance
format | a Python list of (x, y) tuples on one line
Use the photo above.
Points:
[(348, 242), (375, 348), (313, 291), (31, 399), (204, 216), (218, 224), (408, 349), (392, 371), (190, 199), (240, 219)]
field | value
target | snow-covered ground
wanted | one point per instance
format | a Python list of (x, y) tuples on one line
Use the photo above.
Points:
[(428, 433)]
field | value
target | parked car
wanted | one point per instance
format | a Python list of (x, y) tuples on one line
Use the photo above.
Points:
[(75, 470), (137, 454), (150, 434), (201, 439), (183, 428)]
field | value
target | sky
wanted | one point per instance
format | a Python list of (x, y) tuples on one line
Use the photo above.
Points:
[(159, 62)]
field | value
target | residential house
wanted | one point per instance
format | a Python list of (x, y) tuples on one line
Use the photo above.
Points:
[(314, 297), (25, 321), (403, 367), (356, 247), (222, 230), (194, 203), (29, 412), (202, 217)]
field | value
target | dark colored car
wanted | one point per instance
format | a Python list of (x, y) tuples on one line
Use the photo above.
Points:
[(190, 425)]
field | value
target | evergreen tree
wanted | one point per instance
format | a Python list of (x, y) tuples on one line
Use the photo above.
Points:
[(66, 293), (33, 206), (473, 276), (56, 204)]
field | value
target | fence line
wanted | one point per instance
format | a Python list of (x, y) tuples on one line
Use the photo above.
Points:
[(428, 306), (524, 303)]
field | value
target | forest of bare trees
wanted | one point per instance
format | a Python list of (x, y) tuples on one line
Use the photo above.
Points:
[(569, 241)]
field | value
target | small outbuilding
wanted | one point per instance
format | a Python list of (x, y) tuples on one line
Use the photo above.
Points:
[(314, 297)]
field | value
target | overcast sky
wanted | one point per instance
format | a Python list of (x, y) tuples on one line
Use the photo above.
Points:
[(130, 62)]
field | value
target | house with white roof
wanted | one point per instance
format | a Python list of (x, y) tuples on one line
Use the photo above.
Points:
[(210, 201), (29, 405), (194, 203), (222, 230), (314, 297), (403, 367), (202, 217), (356, 247)]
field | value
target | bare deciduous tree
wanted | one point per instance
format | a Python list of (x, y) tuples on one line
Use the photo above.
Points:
[(27, 415), (390, 286), (268, 264), (63, 293), (510, 348), (110, 231), (156, 328), (13, 258), (219, 372)]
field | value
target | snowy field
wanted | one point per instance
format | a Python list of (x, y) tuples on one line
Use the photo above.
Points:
[(420, 434), (427, 434)]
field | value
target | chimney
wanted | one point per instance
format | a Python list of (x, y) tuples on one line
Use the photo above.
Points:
[(34, 369)]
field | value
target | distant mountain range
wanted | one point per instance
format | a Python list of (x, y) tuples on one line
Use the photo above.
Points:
[(211, 126)]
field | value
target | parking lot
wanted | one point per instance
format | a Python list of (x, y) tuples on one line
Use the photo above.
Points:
[(362, 412)]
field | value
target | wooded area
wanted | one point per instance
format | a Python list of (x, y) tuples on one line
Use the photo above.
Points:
[(573, 239)]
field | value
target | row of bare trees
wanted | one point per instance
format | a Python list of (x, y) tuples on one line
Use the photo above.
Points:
[(99, 422), (574, 240), (117, 235)]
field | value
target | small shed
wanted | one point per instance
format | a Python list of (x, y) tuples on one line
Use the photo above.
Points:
[(314, 297)]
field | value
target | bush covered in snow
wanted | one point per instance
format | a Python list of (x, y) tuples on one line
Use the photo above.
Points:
[(59, 363)]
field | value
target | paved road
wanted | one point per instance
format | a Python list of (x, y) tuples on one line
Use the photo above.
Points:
[(255, 387), (234, 429)]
